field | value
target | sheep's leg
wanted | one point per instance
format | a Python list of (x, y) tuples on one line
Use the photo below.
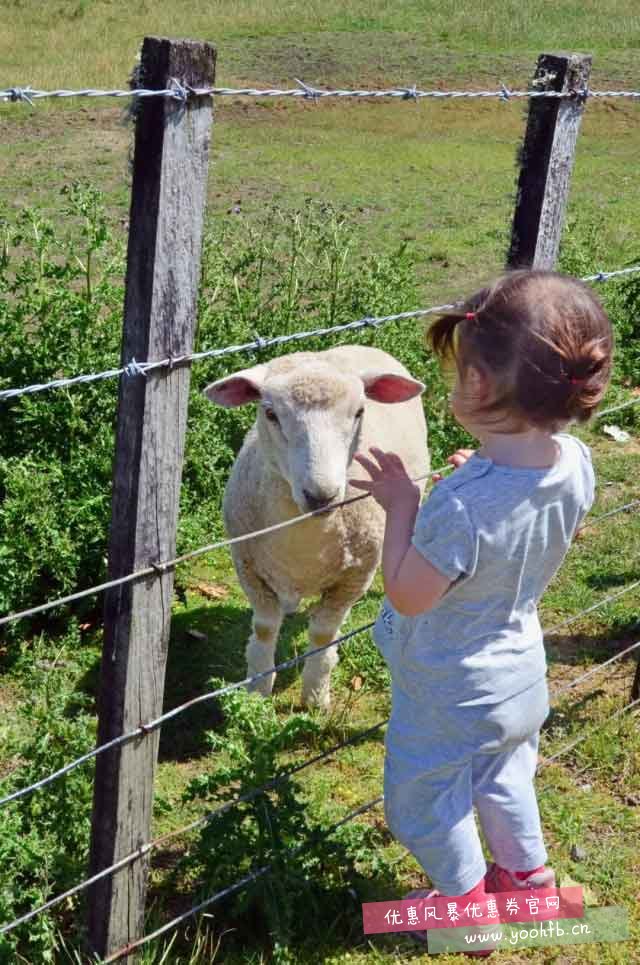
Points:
[(261, 648), (267, 619), (325, 622)]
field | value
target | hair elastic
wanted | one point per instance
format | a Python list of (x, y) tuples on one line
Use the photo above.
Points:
[(470, 315)]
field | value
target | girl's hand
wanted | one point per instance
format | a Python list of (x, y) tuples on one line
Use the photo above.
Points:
[(389, 484), (458, 459)]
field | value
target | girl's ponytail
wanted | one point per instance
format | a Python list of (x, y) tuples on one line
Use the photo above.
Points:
[(544, 339)]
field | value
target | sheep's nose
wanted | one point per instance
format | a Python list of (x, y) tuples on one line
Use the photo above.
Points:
[(317, 500)]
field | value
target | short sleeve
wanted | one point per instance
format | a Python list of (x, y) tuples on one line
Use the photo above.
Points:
[(584, 470), (444, 534)]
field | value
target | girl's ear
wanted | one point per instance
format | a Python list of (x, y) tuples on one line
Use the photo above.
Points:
[(477, 383)]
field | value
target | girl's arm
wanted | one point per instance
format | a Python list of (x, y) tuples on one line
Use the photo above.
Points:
[(411, 584)]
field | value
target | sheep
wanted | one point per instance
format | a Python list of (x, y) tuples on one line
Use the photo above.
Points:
[(316, 409)]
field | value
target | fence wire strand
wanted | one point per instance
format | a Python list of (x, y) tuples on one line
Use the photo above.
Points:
[(594, 670), (164, 565), (254, 792), (134, 368), (184, 92), (250, 878), (208, 817), (192, 826), (145, 728)]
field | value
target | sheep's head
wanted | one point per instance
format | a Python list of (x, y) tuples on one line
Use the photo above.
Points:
[(310, 417)]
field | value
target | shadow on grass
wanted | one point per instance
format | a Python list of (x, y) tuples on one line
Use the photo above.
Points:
[(612, 579), (574, 707), (575, 648), (217, 650), (317, 895)]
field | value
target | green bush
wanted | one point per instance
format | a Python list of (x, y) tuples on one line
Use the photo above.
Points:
[(311, 890), (60, 313), (44, 837)]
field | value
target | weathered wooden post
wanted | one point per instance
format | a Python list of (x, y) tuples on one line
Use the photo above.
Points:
[(163, 269), (546, 161)]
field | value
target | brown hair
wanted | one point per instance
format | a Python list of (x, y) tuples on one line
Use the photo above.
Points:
[(543, 338)]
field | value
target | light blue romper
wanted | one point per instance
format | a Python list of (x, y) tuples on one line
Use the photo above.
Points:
[(469, 691)]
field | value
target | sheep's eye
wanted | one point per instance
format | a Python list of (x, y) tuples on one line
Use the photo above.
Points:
[(271, 416), (360, 413)]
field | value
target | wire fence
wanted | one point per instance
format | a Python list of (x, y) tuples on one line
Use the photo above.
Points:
[(265, 869), (210, 816), (183, 93), (145, 728), (192, 826), (136, 368), (242, 883), (163, 566)]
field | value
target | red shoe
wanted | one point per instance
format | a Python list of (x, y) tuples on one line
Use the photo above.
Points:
[(421, 936), (499, 879)]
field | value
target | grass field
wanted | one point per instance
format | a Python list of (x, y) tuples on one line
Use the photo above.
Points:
[(441, 177)]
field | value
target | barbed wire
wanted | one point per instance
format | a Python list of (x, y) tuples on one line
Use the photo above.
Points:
[(162, 566), (253, 876), (180, 93), (187, 828), (596, 606), (135, 368), (254, 792), (209, 816), (611, 512), (145, 728), (583, 737), (618, 408), (248, 879), (594, 670), (185, 92)]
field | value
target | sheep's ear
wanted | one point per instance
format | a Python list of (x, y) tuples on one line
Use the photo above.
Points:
[(389, 387), (237, 389)]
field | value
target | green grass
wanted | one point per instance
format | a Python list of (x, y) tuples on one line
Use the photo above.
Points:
[(90, 41), (442, 177), (589, 797)]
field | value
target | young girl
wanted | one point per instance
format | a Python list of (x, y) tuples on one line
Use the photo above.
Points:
[(463, 573)]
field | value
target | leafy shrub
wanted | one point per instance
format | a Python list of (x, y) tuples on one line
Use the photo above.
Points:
[(60, 313), (44, 837), (309, 890)]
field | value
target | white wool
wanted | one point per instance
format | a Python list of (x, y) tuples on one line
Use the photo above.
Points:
[(315, 398)]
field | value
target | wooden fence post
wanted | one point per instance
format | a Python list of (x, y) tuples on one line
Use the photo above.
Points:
[(546, 161), (163, 272)]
